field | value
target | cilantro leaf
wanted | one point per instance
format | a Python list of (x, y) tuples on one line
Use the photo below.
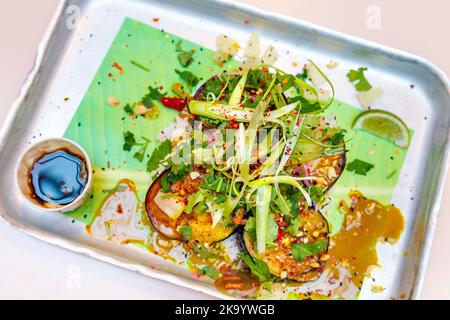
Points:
[(255, 79), (189, 78), (257, 267), (158, 155), (185, 231), (308, 107), (185, 58), (302, 76), (204, 253), (214, 85), (180, 169), (294, 227), (213, 182), (315, 193), (302, 250), (294, 200), (287, 81), (128, 109), (220, 198), (250, 227), (358, 76), (338, 137), (140, 154), (153, 94), (360, 167), (129, 141), (147, 101), (165, 184), (271, 230), (211, 272), (212, 122)]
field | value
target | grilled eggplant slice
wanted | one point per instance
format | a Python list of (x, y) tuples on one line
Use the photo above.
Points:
[(280, 259), (199, 223), (327, 169)]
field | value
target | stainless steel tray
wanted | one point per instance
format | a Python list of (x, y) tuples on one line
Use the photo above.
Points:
[(67, 60)]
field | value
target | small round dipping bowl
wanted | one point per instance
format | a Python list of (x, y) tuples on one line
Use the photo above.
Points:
[(36, 152)]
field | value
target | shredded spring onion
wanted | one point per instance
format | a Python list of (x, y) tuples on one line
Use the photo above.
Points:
[(263, 196), (236, 95)]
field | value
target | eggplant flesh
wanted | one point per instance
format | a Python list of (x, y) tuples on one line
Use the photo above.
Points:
[(327, 170), (199, 223), (280, 260)]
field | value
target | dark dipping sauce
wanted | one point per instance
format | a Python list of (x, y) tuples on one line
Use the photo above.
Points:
[(58, 178)]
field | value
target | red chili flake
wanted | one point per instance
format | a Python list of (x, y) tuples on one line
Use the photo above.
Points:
[(247, 21), (155, 19), (282, 224), (234, 124), (110, 75), (280, 235), (119, 208), (118, 67), (173, 103)]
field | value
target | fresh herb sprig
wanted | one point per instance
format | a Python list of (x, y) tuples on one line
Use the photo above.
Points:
[(130, 142), (360, 80), (158, 155), (185, 57), (360, 167)]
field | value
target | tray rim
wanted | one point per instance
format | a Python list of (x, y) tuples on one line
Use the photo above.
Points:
[(32, 78)]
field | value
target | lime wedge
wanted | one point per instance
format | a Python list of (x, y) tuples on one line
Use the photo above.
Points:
[(384, 124)]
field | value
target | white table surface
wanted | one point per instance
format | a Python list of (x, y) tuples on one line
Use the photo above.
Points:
[(31, 269)]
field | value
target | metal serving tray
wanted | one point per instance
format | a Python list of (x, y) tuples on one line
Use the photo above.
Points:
[(67, 61)]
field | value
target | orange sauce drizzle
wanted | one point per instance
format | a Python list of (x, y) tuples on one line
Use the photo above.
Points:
[(366, 223)]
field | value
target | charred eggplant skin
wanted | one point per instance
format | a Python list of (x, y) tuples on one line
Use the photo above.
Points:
[(162, 222), (200, 224), (199, 93)]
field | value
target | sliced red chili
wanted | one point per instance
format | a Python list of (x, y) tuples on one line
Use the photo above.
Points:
[(173, 103), (280, 235)]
